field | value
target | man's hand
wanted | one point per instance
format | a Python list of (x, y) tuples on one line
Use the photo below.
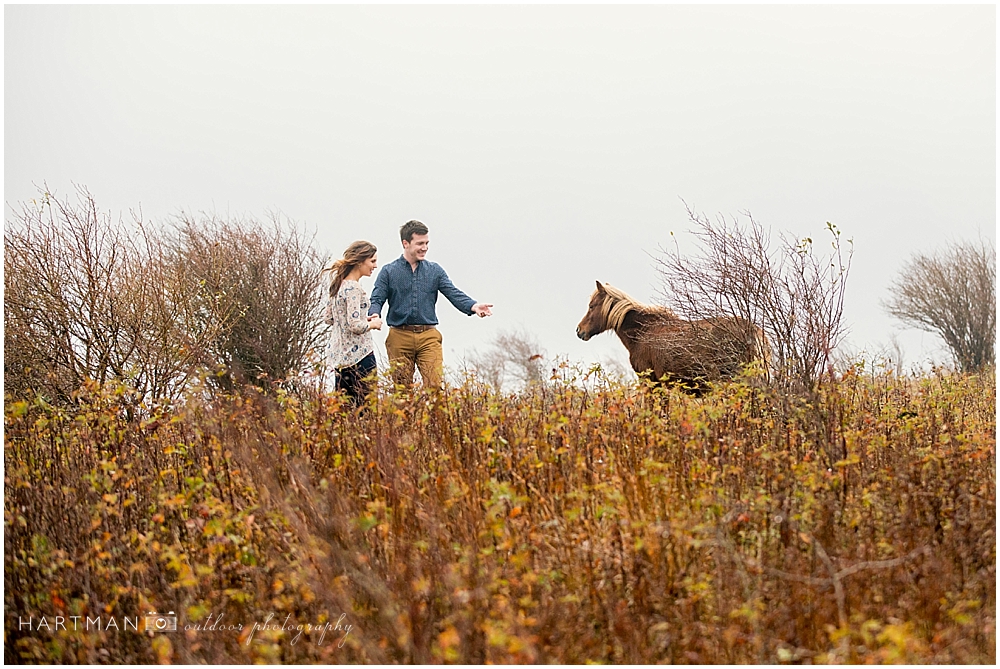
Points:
[(482, 310), (374, 322)]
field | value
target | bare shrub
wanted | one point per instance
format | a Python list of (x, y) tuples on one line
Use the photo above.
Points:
[(513, 356), (792, 292), (267, 276), (952, 294), (889, 357), (88, 297), (616, 369)]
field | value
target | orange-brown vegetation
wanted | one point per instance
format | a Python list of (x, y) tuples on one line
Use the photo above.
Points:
[(575, 522)]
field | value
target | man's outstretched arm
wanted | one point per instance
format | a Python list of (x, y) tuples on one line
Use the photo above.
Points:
[(462, 302)]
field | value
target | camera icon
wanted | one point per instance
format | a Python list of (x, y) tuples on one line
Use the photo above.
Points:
[(157, 623)]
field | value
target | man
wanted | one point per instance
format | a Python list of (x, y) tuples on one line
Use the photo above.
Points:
[(411, 285)]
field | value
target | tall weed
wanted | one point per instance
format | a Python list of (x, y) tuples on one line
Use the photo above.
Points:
[(574, 522)]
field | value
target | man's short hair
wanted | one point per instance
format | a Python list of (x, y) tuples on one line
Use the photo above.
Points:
[(411, 228)]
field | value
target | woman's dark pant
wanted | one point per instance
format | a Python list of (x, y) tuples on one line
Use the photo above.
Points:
[(353, 380)]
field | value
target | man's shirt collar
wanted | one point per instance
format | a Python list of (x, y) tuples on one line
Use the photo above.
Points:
[(406, 263)]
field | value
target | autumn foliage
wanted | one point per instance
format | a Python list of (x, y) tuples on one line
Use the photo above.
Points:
[(582, 520)]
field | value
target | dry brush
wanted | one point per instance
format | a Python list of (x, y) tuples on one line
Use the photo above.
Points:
[(568, 524)]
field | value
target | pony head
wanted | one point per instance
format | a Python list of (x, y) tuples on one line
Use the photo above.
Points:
[(593, 323), (606, 311)]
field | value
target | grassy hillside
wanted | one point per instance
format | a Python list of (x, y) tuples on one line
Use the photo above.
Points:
[(574, 523)]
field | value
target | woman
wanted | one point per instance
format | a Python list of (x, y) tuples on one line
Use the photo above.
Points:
[(352, 352)]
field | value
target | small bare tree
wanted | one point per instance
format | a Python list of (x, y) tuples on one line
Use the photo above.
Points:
[(268, 277), (91, 298), (87, 297), (512, 356), (952, 294), (794, 294)]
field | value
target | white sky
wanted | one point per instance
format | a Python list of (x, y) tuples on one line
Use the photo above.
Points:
[(544, 146)]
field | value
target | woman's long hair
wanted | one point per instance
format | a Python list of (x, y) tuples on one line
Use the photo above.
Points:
[(356, 253)]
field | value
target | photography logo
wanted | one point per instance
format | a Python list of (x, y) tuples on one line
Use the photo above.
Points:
[(157, 623)]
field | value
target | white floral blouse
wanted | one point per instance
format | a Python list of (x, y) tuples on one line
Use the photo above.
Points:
[(350, 338)]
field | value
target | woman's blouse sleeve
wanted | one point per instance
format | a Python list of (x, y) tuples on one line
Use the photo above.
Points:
[(328, 316)]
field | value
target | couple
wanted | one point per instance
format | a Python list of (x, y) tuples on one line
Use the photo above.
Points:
[(410, 284)]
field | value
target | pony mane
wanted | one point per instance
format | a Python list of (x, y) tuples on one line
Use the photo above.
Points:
[(617, 304)]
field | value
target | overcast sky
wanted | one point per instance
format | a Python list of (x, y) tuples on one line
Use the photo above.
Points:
[(545, 147)]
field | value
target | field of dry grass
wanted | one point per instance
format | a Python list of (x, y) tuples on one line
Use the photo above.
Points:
[(575, 523)]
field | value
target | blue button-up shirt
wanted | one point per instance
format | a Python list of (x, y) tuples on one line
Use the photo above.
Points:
[(412, 294)]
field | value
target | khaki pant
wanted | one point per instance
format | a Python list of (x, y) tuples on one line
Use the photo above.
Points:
[(420, 349)]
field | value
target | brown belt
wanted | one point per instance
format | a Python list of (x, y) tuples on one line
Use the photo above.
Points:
[(413, 328)]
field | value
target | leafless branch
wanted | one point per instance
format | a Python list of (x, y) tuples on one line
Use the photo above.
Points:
[(952, 294), (792, 292)]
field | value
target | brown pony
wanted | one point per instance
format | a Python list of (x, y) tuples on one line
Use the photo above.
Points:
[(674, 350)]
